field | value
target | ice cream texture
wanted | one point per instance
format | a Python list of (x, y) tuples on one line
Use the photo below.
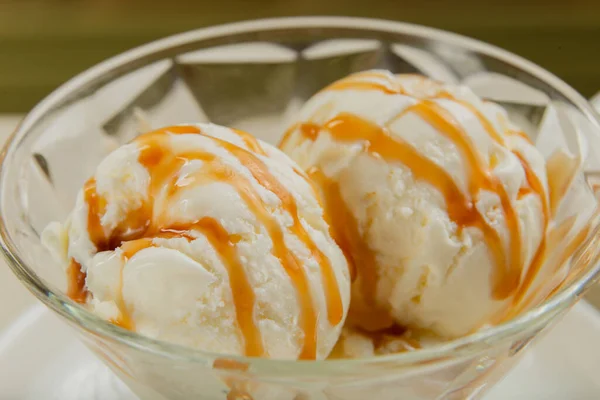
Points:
[(206, 237), (440, 200)]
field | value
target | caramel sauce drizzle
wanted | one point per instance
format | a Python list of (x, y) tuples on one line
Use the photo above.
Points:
[(124, 319), (96, 208), (480, 178), (137, 230), (238, 388), (524, 191), (76, 283), (483, 120), (313, 187), (244, 297), (520, 134), (132, 247), (360, 82), (363, 85), (537, 262), (260, 172), (292, 266), (251, 142), (346, 233)]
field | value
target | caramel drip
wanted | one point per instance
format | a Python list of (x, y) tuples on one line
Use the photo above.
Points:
[(243, 294), (171, 232), (363, 85), (260, 172), (238, 388), (251, 142), (293, 267), (485, 123), (360, 82), (175, 130), (512, 132), (346, 233), (124, 319), (132, 247), (230, 365), (96, 209), (308, 130), (316, 191), (311, 130), (520, 134), (480, 178), (354, 83), (129, 249), (595, 188), (76, 283), (524, 191), (287, 136), (536, 187), (137, 222)]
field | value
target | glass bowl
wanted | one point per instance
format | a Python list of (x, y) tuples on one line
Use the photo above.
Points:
[(253, 76)]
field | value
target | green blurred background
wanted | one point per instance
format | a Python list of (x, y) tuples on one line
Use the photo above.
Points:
[(43, 43)]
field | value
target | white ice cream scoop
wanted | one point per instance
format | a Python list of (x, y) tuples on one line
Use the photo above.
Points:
[(206, 237), (441, 201)]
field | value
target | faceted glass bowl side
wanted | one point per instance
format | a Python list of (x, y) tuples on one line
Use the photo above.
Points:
[(254, 76)]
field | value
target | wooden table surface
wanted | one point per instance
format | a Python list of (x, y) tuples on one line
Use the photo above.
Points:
[(43, 43)]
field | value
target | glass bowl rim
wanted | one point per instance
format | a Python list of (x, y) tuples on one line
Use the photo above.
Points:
[(464, 346)]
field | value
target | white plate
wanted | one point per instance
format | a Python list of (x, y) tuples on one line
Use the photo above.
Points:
[(40, 358)]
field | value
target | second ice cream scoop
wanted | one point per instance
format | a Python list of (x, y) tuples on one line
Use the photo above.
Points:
[(441, 202)]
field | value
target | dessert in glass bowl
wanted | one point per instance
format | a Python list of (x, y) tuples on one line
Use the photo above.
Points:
[(425, 224)]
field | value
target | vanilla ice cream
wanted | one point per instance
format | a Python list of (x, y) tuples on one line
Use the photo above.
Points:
[(203, 236), (441, 202)]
